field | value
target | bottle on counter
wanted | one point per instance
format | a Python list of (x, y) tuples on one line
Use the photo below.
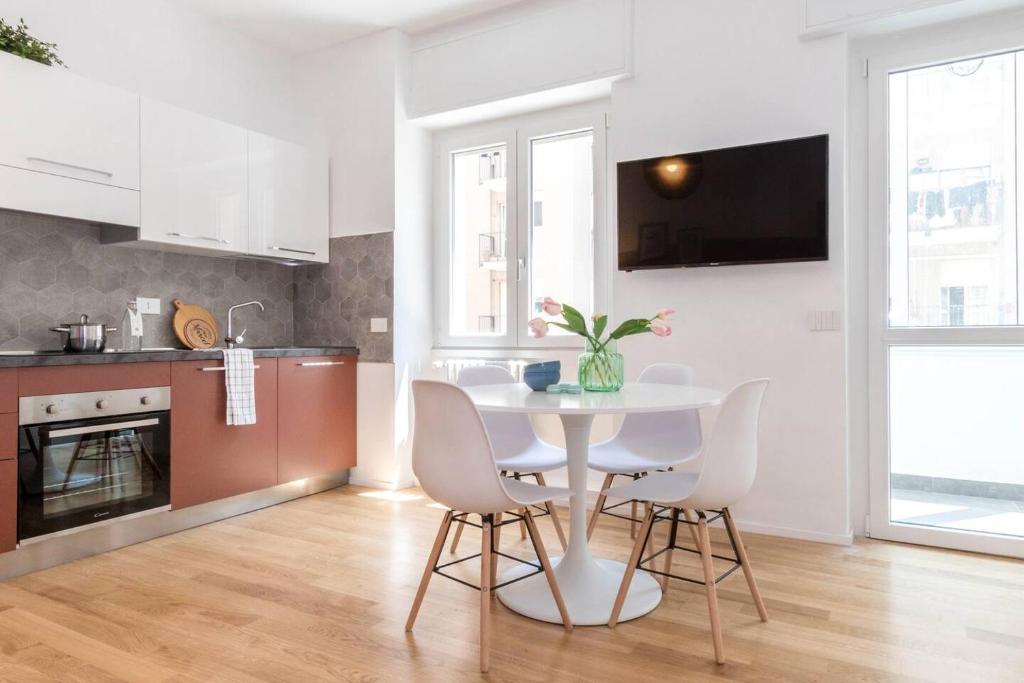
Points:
[(131, 328)]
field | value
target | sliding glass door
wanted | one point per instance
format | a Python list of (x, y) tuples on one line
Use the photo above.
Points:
[(947, 337)]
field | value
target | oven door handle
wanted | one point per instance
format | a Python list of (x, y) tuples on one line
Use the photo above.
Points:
[(98, 429)]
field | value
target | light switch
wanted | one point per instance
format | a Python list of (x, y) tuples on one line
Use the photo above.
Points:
[(378, 324), (147, 305)]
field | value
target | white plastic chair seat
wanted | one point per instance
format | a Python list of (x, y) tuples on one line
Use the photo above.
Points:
[(662, 488), (526, 493), (536, 457), (611, 457)]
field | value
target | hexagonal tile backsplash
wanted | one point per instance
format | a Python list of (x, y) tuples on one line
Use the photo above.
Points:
[(54, 269)]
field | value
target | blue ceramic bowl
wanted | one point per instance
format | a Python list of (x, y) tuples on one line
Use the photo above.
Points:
[(539, 376)]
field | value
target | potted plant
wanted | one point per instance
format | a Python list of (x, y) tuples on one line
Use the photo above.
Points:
[(601, 366), (18, 41)]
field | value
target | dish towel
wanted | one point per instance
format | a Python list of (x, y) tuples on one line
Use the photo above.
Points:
[(239, 380)]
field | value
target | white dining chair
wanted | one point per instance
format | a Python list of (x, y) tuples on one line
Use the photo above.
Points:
[(646, 442), (453, 460), (726, 475), (518, 451)]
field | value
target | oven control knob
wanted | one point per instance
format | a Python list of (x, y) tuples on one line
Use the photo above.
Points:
[(145, 400), (102, 404), (52, 409)]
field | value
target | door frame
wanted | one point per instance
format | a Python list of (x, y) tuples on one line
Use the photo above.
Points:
[(917, 53)]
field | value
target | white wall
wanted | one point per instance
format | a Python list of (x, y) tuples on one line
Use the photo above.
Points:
[(169, 53), (732, 72), (413, 317)]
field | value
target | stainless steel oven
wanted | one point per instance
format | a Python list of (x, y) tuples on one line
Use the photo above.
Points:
[(90, 457)]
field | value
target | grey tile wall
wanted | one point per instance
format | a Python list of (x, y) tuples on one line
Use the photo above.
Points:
[(335, 301), (54, 269)]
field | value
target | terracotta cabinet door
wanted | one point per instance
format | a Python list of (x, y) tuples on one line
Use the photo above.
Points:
[(8, 505), (209, 459), (316, 416), (8, 390)]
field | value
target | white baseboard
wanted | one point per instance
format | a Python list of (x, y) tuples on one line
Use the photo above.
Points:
[(356, 479), (799, 534), (765, 529)]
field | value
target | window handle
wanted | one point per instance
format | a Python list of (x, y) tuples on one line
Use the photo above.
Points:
[(521, 267)]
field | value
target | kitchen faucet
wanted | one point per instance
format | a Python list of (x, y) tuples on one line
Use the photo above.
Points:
[(231, 339)]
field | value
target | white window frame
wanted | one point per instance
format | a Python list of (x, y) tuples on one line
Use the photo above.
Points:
[(911, 55), (516, 134)]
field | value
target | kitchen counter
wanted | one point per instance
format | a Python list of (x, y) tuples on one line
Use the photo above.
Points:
[(29, 359)]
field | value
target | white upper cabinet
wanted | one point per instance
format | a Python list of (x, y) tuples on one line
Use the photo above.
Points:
[(288, 199), (194, 180), (77, 139)]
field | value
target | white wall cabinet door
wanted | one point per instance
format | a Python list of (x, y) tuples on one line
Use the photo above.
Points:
[(194, 180), (288, 198), (58, 123)]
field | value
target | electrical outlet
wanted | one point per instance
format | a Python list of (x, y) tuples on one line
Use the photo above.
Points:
[(823, 321), (378, 324), (148, 306)]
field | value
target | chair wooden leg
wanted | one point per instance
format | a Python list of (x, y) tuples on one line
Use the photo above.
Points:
[(435, 552), (459, 526), (632, 512), (485, 594), (649, 509), (627, 578), (741, 555), (522, 511), (673, 530), (601, 498), (553, 513), (496, 545), (692, 528), (549, 573), (709, 583)]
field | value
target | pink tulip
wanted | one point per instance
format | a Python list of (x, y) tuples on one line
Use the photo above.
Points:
[(538, 327), (661, 328), (665, 313), (551, 307)]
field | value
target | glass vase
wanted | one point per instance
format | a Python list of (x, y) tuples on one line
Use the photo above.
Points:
[(601, 368)]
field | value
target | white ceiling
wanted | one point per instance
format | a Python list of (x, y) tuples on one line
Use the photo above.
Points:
[(298, 26)]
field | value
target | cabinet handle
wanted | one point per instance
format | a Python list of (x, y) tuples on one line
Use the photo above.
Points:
[(220, 369), (105, 174), (321, 364), (294, 251), (198, 237)]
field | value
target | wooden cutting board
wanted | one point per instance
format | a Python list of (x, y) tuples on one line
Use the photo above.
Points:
[(194, 326)]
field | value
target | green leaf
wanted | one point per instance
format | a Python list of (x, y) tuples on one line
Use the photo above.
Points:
[(599, 325), (575, 319), (632, 326)]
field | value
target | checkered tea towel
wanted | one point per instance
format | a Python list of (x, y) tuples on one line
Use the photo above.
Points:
[(239, 380)]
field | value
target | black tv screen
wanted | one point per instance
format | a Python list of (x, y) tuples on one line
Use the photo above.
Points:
[(763, 203)]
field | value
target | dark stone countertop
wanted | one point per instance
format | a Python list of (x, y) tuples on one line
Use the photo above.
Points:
[(29, 359)]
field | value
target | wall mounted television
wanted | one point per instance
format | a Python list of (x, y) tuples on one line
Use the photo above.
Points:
[(763, 203)]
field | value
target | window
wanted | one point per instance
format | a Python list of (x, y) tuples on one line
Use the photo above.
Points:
[(954, 139), (517, 223)]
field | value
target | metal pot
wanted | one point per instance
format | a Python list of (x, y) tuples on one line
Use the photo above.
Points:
[(84, 336)]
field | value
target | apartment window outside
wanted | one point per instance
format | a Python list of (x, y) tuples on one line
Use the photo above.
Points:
[(953, 343), (953, 144), (517, 225)]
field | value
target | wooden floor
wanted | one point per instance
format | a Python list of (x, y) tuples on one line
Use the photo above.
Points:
[(318, 590)]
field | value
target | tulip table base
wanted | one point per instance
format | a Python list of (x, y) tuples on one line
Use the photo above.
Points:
[(589, 586)]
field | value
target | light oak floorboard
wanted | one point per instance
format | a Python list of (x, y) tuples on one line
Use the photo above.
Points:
[(319, 589)]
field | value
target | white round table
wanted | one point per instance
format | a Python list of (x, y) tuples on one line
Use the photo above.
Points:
[(589, 585)]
